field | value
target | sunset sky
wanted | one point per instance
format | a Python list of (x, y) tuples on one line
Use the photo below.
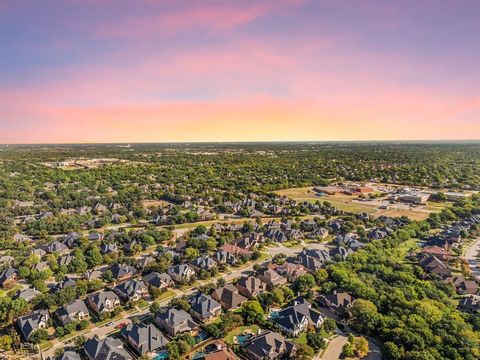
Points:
[(155, 71)]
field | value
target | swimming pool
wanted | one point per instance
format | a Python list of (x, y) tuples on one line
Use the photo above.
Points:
[(162, 355), (201, 336), (241, 339)]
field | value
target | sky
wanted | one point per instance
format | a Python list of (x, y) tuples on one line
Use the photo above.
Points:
[(275, 70)]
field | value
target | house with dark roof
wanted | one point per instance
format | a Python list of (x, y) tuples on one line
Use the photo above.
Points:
[(296, 318), (123, 272), (106, 249), (28, 324), (181, 272), (225, 257), (204, 262), (73, 311), (57, 247), (434, 266), (229, 297), (106, 349), (250, 286), (144, 261), (313, 260), (338, 303), (103, 301), (157, 280), (204, 307), (269, 345), (144, 338), (8, 277), (65, 260), (131, 290), (175, 321), (470, 304)]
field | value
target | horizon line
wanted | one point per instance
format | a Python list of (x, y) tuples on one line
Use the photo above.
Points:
[(248, 142)]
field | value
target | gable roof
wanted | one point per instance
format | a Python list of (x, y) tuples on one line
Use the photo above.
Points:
[(106, 349), (147, 337)]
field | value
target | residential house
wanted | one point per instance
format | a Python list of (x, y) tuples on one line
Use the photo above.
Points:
[(225, 257), (175, 321), (463, 286), (269, 345), (108, 348), (41, 266), (56, 247), (204, 308), (73, 311), (221, 352), (8, 277), (107, 249), (103, 301), (250, 286), (313, 260), (123, 272), (289, 270), (37, 252), (271, 278), (229, 297), (204, 262), (434, 266), (144, 338), (28, 324), (145, 260), (296, 318), (438, 252), (27, 294), (181, 272), (157, 280), (235, 250), (470, 303), (131, 290), (338, 303)]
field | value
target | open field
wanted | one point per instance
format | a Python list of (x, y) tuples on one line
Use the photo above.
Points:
[(411, 214), (155, 203), (351, 203)]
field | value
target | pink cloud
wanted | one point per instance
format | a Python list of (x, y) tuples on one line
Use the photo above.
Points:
[(212, 18)]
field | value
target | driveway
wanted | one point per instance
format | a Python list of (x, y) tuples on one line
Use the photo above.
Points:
[(334, 349)]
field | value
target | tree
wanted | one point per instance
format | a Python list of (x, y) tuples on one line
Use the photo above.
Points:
[(38, 336), (321, 276), (303, 352), (315, 340), (6, 342), (173, 351), (360, 346), (155, 308), (365, 316), (180, 303), (329, 325), (303, 283), (252, 312), (347, 350), (80, 341)]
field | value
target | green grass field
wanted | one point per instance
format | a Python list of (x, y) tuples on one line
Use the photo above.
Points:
[(239, 331)]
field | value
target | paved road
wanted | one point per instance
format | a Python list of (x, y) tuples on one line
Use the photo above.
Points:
[(470, 256)]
